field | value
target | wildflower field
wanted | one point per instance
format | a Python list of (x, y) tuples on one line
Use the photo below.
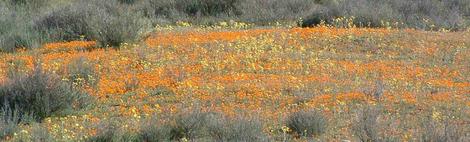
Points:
[(417, 81)]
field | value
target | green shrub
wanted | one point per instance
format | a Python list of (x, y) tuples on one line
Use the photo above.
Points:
[(366, 128), (196, 11), (157, 10), (188, 125), (314, 20), (128, 1), (269, 11), (19, 38), (154, 131), (369, 128), (40, 133), (40, 94), (161, 91), (8, 122), (82, 73), (111, 132), (114, 28), (66, 23), (15, 29), (224, 129), (30, 3), (307, 123), (446, 130), (203, 126), (107, 21), (209, 7)]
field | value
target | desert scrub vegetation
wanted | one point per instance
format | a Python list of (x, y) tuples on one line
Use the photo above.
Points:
[(108, 22), (307, 123), (9, 120), (40, 94), (368, 125), (81, 73), (15, 31), (200, 126), (29, 24), (193, 126)]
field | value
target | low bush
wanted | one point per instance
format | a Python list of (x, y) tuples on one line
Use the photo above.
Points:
[(161, 91), (19, 38), (9, 120), (111, 30), (307, 123), (188, 125), (28, 3), (154, 131), (366, 128), (210, 7), (369, 128), (82, 73), (199, 8), (441, 128), (241, 129), (66, 23), (268, 11), (203, 126), (112, 133), (40, 94), (15, 32), (420, 14), (40, 133), (109, 22), (128, 1)]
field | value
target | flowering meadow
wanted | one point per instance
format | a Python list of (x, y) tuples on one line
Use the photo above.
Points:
[(418, 80)]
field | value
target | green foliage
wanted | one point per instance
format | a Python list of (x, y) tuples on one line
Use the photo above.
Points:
[(15, 32), (154, 131), (40, 94), (307, 123), (128, 1), (114, 29), (187, 125), (161, 91), (82, 73), (442, 132), (8, 122), (366, 128), (240, 129), (203, 126), (29, 23), (40, 134), (369, 128), (110, 131), (66, 23)]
